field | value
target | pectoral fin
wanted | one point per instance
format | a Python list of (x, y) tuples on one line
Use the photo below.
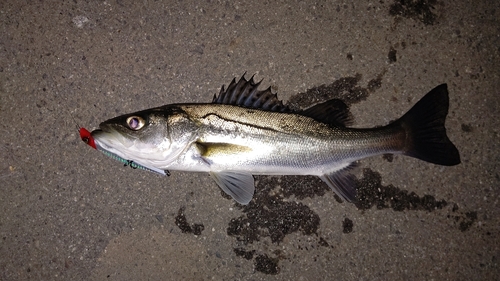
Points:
[(238, 185), (342, 182)]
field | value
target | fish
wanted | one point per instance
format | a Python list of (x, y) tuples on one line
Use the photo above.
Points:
[(245, 131)]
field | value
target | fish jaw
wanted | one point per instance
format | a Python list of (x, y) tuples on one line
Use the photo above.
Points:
[(163, 135), (128, 149), (152, 151)]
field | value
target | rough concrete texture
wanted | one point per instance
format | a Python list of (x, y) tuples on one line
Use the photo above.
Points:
[(70, 213)]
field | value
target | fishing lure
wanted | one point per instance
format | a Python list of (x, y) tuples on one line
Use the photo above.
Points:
[(87, 137)]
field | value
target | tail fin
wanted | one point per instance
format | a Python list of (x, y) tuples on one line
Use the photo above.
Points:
[(426, 134)]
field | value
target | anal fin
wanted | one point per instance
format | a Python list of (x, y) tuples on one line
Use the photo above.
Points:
[(239, 185), (342, 182)]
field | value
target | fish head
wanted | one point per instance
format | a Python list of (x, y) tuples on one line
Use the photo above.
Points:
[(150, 137)]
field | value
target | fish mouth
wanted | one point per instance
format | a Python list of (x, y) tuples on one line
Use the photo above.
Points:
[(104, 142), (95, 135), (108, 139), (111, 141)]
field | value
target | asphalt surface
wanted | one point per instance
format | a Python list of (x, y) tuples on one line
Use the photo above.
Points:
[(68, 212)]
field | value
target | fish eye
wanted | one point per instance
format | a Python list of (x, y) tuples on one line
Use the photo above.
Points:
[(135, 122)]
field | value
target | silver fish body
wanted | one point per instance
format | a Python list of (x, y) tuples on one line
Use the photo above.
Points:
[(246, 132), (261, 142)]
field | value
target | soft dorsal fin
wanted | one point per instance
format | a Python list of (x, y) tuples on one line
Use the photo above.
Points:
[(245, 93), (333, 112)]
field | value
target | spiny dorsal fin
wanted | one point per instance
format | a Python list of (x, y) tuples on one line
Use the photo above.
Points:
[(245, 93), (333, 112)]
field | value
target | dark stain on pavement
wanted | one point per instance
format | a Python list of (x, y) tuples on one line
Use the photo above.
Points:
[(467, 128), (345, 89), (347, 225), (464, 220), (268, 215), (240, 252), (371, 192), (181, 222), (415, 9), (392, 55), (267, 265)]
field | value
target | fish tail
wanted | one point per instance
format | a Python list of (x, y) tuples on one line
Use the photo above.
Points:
[(426, 137)]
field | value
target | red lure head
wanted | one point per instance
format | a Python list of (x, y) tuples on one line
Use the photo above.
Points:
[(87, 137)]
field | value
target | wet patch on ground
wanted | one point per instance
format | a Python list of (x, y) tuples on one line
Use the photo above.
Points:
[(347, 225), (388, 157), (267, 265), (184, 226), (464, 220), (372, 193), (268, 215), (345, 89), (241, 252), (391, 56), (421, 10), (467, 128)]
